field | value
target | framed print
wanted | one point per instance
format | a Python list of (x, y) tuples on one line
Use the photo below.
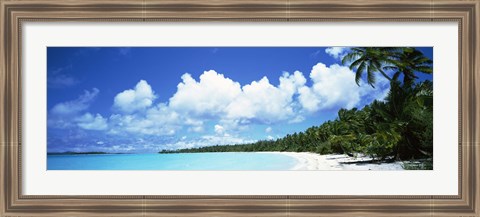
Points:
[(234, 108)]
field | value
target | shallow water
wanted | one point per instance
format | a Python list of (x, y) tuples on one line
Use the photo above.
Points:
[(184, 161)]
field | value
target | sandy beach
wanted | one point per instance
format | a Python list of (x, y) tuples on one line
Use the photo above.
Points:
[(312, 161)]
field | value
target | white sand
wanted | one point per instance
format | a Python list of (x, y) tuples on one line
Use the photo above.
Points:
[(311, 161)]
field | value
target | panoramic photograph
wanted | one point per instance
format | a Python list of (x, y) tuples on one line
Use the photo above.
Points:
[(240, 108)]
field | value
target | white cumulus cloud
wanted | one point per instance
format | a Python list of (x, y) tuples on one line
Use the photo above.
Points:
[(90, 122), (261, 101), (209, 96), (136, 99), (217, 97), (334, 87), (336, 52), (157, 120)]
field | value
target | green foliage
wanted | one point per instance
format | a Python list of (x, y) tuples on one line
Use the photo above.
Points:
[(403, 61), (343, 143), (382, 144), (370, 60)]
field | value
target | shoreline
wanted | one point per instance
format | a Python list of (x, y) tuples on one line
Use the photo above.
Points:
[(306, 161), (312, 161)]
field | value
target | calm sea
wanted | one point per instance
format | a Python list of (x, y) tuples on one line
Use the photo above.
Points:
[(187, 161)]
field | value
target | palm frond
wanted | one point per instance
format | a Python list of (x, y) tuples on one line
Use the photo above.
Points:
[(350, 57), (370, 76), (356, 63), (424, 69), (358, 75)]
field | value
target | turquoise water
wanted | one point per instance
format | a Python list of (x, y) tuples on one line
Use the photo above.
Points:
[(187, 161)]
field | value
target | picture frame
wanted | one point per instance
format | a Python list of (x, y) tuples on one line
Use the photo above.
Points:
[(14, 13)]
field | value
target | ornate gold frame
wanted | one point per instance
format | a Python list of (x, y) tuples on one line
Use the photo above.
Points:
[(14, 12)]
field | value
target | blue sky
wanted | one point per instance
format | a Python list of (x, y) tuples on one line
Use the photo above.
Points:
[(133, 99)]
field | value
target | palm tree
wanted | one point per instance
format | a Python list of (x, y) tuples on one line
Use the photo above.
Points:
[(407, 62), (406, 111), (370, 60)]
